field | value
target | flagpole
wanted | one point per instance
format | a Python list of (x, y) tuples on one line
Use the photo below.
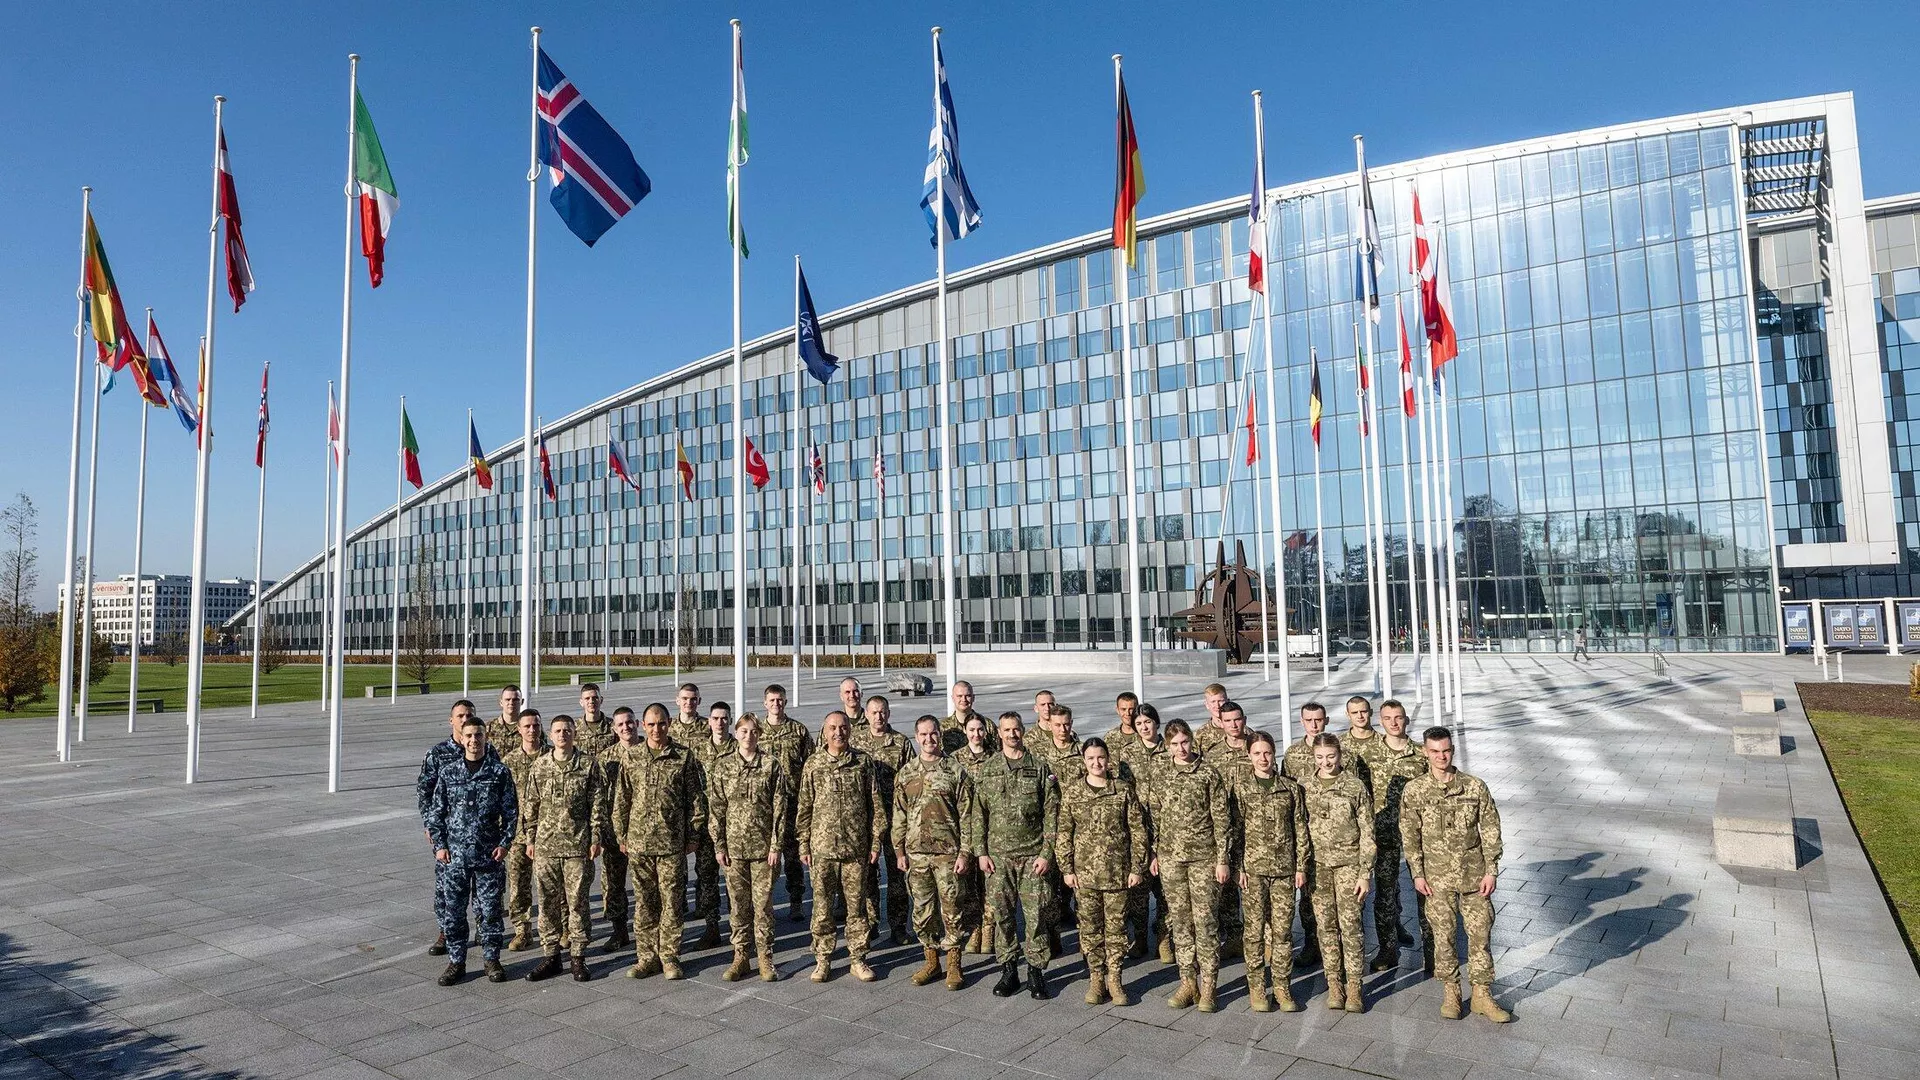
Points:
[(399, 556), (679, 496), (63, 741), (326, 563), (86, 600), (606, 612), (1366, 495), (338, 556), (1453, 554), (1250, 392), (1406, 503), (259, 541), (1273, 433), (1320, 550), (1383, 582), (739, 426), (466, 584), (1127, 455), (951, 605), (539, 538), (139, 544), (197, 652), (880, 547), (799, 523), (1435, 639), (528, 505)]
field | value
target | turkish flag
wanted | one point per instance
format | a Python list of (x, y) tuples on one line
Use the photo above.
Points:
[(756, 466)]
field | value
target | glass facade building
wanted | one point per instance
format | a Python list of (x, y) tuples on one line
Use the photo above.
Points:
[(1657, 416)]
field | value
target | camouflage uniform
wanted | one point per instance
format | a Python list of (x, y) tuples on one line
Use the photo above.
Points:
[(748, 809), (689, 731), (1017, 808), (659, 811), (1450, 831), (1117, 738), (973, 883), (1390, 770), (442, 753), (565, 815), (594, 734), (1340, 818), (1208, 738), (1190, 832), (953, 732), (1103, 840), (1137, 763), (706, 869), (933, 813), (791, 744), (839, 819), (1270, 846), (889, 750), (1068, 770), (1233, 765), (503, 735), (1299, 767), (519, 867), (472, 814)]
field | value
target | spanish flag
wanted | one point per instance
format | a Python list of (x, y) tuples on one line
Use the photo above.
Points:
[(1129, 181), (482, 472), (684, 468), (1313, 397)]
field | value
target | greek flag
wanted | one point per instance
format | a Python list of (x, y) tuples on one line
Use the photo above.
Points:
[(946, 180)]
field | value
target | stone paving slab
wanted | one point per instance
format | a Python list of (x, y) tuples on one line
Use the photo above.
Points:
[(252, 925)]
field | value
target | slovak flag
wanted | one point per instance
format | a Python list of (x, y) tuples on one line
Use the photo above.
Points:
[(819, 470), (546, 472), (596, 181), (756, 466), (617, 464)]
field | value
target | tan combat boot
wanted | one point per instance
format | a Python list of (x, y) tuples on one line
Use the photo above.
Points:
[(1096, 982), (1206, 1002), (1283, 994), (928, 971), (955, 979), (738, 969), (670, 968), (822, 970), (987, 939), (519, 942), (1166, 948), (1484, 1005), (1336, 992), (1116, 991), (1185, 996), (859, 970), (1257, 999), (768, 973), (1356, 1002), (1450, 1007)]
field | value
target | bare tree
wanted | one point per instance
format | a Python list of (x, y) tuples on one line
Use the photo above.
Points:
[(689, 636), (273, 646), (422, 649), (170, 647), (23, 672)]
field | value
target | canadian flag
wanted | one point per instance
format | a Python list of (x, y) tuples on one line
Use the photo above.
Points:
[(1436, 300)]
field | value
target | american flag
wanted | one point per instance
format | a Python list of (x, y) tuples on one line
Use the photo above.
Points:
[(819, 473), (880, 474)]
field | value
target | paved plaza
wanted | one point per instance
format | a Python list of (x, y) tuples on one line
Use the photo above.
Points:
[(252, 925)]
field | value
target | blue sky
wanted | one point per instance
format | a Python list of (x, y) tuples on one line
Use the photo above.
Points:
[(119, 96)]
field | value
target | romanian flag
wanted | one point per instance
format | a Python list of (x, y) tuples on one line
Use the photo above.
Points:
[(482, 472), (684, 467), (1313, 397), (1129, 182), (409, 449)]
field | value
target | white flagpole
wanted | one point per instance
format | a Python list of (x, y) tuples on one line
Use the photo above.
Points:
[(1127, 454), (259, 542), (951, 609), (86, 587), (528, 480), (466, 585), (1381, 554), (739, 425), (799, 523), (1249, 392), (678, 498), (1406, 504), (1366, 494), (880, 547), (338, 556), (326, 563), (1320, 549), (1453, 554), (813, 582), (139, 544), (63, 735), (399, 555), (1273, 429), (1435, 638), (196, 650), (606, 612)]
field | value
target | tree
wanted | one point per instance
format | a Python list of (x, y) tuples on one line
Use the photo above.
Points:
[(689, 643), (422, 652), (23, 670), (273, 646), (170, 647)]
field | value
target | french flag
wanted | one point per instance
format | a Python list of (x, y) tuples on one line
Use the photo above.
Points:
[(596, 181)]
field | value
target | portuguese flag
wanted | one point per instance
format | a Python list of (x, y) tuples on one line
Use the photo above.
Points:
[(378, 197), (409, 450)]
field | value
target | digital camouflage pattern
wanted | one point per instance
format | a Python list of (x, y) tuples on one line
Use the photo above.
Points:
[(1390, 771), (791, 744), (1270, 845), (706, 889), (953, 731), (1103, 841), (1340, 818), (1298, 762), (615, 870), (659, 812), (1137, 762), (520, 868), (565, 816), (1017, 809), (471, 816), (1063, 760), (1450, 833), (889, 750), (594, 734), (1191, 830), (973, 883), (839, 815), (690, 731), (748, 810)]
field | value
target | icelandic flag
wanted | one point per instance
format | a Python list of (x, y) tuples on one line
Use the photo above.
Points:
[(596, 181), (617, 464), (821, 364), (164, 371), (945, 179)]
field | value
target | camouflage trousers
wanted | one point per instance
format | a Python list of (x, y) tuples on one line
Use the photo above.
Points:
[(1337, 914), (613, 887), (1102, 918), (706, 880), (1386, 884), (1226, 911), (1266, 925), (519, 889), (478, 882), (937, 918), (973, 899), (898, 889), (1190, 889), (1013, 885), (847, 880), (750, 905), (795, 870), (1138, 924), (565, 887), (1443, 907), (659, 888)]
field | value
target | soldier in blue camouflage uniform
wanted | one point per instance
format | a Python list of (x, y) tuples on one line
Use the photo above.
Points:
[(471, 820), (440, 754)]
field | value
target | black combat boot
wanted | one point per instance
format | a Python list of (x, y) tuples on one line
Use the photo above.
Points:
[(1036, 984), (1009, 983), (439, 946), (580, 973), (453, 974), (495, 973), (548, 967)]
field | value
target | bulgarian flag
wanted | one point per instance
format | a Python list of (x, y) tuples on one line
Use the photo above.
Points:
[(378, 197), (409, 449)]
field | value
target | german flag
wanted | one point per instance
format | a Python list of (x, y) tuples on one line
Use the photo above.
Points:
[(1313, 397), (1129, 181)]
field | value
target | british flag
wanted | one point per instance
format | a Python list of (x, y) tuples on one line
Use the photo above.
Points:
[(819, 470), (596, 181), (879, 474)]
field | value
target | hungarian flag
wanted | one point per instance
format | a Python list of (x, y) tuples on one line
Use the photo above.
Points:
[(1313, 396), (737, 144), (756, 466), (617, 464), (1406, 362), (409, 450), (684, 467), (239, 270), (1129, 182), (482, 472), (260, 434), (1247, 407), (546, 471), (378, 197), (1436, 302)]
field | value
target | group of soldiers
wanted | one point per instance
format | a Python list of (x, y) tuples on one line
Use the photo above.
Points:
[(1189, 842)]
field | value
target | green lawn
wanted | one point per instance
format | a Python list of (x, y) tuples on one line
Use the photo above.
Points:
[(1876, 762), (229, 684)]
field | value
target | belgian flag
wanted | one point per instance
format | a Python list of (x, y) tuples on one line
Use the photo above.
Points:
[(1313, 397)]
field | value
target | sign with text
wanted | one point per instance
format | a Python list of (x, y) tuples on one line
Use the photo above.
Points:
[(1910, 623), (1854, 626), (1839, 626), (1796, 622)]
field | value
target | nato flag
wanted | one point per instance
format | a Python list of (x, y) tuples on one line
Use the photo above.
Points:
[(821, 364)]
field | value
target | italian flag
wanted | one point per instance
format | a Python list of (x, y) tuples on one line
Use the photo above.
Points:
[(378, 198), (409, 450)]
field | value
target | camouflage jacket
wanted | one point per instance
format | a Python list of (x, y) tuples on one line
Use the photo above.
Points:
[(840, 815), (444, 751), (520, 764), (1450, 832), (1208, 737), (890, 750), (1117, 738), (790, 743), (689, 732), (472, 813), (566, 806), (1067, 766), (1017, 807), (1298, 763), (1390, 771), (1269, 826), (971, 762), (953, 731), (1189, 811), (747, 805), (1231, 761), (594, 734), (503, 734), (1137, 762), (1103, 834), (709, 753), (1340, 819), (933, 808), (659, 800)]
